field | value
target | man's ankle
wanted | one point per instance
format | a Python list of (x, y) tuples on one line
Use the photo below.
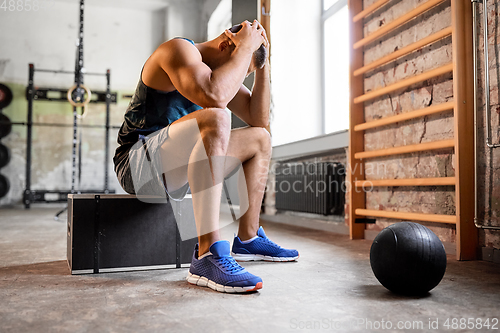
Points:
[(205, 241), (246, 236), (204, 248), (202, 251)]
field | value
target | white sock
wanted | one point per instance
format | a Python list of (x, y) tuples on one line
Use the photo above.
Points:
[(204, 255), (249, 240)]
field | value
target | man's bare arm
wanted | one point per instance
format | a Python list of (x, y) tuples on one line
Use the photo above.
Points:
[(199, 83), (253, 107), (195, 80)]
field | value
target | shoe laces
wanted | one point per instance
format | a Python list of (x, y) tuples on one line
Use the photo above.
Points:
[(229, 264), (270, 242)]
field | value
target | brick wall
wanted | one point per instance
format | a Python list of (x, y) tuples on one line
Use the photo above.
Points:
[(489, 160)]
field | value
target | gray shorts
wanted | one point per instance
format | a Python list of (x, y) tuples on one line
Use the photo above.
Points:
[(140, 173)]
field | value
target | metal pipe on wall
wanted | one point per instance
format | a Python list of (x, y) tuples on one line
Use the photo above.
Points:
[(487, 75), (487, 106)]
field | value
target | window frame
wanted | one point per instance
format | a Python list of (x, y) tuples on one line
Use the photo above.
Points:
[(325, 15)]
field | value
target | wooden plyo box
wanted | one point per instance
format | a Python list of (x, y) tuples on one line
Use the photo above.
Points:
[(119, 232)]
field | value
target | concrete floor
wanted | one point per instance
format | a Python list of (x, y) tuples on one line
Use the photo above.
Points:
[(331, 288)]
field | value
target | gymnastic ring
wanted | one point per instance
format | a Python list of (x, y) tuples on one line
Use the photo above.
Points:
[(79, 104)]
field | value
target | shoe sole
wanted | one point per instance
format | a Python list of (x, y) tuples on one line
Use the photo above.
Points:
[(260, 257), (204, 282)]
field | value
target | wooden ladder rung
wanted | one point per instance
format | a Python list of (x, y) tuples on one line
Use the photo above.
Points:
[(397, 22), (438, 181), (405, 116), (404, 51), (370, 9), (449, 219), (406, 149), (405, 83)]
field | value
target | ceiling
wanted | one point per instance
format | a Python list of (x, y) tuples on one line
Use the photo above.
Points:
[(148, 5)]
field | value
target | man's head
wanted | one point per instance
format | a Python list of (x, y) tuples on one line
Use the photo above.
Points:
[(259, 56)]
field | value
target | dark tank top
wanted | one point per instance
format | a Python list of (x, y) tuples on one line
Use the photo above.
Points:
[(149, 111)]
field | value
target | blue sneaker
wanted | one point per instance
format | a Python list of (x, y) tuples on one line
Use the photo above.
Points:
[(261, 248), (220, 272)]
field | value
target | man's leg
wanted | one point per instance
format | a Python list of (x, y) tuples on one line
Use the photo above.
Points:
[(185, 156), (252, 146)]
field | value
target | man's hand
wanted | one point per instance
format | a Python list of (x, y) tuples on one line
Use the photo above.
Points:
[(264, 35), (249, 37)]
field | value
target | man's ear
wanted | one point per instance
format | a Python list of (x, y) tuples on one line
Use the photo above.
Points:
[(224, 45)]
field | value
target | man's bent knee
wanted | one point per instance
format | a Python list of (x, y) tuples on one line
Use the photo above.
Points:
[(263, 138), (214, 119), (215, 128)]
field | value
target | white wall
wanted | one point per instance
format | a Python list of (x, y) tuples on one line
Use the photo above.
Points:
[(115, 38), (296, 70), (189, 18), (220, 19)]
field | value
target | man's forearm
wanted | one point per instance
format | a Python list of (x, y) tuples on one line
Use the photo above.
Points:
[(226, 79), (260, 101)]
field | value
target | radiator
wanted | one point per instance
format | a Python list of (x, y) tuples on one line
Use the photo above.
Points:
[(317, 188)]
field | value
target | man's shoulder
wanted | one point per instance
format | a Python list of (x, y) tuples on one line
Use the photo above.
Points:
[(178, 44), (183, 39), (177, 52)]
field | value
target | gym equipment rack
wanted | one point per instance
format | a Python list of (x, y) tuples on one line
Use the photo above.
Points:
[(33, 93)]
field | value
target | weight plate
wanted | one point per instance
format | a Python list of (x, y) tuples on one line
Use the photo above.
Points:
[(4, 155), (4, 186), (5, 96), (5, 125)]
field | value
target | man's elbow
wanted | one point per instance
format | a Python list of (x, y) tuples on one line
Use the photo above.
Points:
[(260, 123), (216, 100), (213, 103)]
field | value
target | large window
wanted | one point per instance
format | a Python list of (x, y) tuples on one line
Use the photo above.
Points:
[(310, 68), (296, 70), (335, 65)]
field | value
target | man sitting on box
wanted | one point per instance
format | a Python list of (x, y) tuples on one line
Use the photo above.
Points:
[(177, 130)]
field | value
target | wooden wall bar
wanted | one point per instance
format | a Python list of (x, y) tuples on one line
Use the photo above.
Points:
[(369, 10), (397, 22), (405, 83), (449, 219), (406, 116), (467, 242), (407, 149), (355, 168), (404, 51), (439, 181), (462, 105)]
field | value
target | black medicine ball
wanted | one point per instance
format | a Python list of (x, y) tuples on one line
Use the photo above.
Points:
[(408, 258)]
